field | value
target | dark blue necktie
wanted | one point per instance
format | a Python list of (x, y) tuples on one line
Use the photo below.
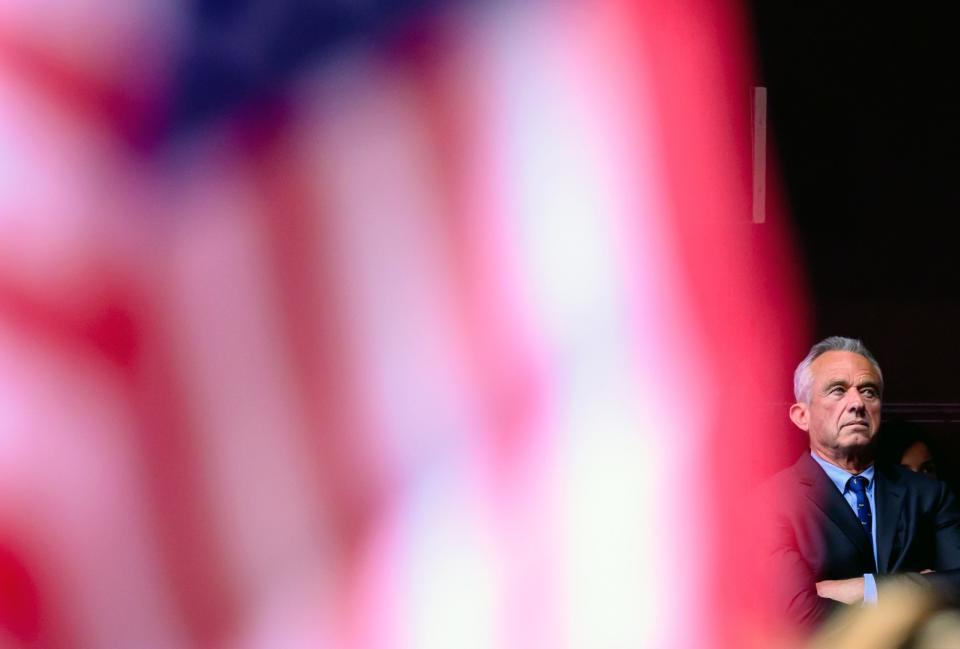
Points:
[(858, 485)]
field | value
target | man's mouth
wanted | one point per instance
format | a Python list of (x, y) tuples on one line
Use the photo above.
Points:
[(858, 422)]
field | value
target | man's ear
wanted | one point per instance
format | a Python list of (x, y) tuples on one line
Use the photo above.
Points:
[(800, 416)]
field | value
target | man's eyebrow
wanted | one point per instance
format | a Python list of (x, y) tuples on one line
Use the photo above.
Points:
[(835, 382)]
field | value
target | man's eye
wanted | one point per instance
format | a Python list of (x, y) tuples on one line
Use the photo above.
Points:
[(869, 392)]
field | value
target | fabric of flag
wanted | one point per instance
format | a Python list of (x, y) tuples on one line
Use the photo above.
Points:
[(383, 324)]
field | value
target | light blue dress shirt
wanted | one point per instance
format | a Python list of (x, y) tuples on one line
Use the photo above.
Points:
[(839, 478)]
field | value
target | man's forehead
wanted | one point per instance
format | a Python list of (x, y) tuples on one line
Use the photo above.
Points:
[(841, 365)]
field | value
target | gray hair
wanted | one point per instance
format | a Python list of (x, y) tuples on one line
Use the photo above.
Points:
[(803, 377)]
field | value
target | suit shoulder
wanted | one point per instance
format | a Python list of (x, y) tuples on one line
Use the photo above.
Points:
[(917, 483), (783, 486), (910, 479), (781, 477), (790, 475)]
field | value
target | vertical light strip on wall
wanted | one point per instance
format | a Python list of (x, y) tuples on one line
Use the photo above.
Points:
[(759, 154)]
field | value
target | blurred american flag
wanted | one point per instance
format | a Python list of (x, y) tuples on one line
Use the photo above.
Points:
[(379, 324)]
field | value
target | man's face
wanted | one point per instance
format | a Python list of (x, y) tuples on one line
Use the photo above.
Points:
[(843, 415)]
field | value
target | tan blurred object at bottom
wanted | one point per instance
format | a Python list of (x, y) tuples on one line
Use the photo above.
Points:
[(908, 615)]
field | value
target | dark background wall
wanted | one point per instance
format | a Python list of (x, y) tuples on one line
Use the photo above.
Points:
[(865, 129)]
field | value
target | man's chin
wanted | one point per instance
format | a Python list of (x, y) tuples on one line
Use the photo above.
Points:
[(858, 438)]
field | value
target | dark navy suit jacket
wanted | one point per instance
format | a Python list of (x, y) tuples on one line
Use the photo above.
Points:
[(815, 535)]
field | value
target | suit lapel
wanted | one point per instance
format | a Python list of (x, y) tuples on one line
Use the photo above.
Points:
[(826, 497), (889, 501)]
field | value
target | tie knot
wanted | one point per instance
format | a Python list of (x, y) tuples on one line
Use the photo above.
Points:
[(857, 484)]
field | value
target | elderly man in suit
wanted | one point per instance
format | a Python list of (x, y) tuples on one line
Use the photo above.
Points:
[(840, 520)]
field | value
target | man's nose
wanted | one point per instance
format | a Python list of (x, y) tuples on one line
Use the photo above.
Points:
[(855, 403)]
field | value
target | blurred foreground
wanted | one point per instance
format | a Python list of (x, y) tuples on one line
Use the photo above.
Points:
[(399, 325)]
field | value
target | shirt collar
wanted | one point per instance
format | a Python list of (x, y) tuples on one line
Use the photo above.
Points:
[(838, 476)]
